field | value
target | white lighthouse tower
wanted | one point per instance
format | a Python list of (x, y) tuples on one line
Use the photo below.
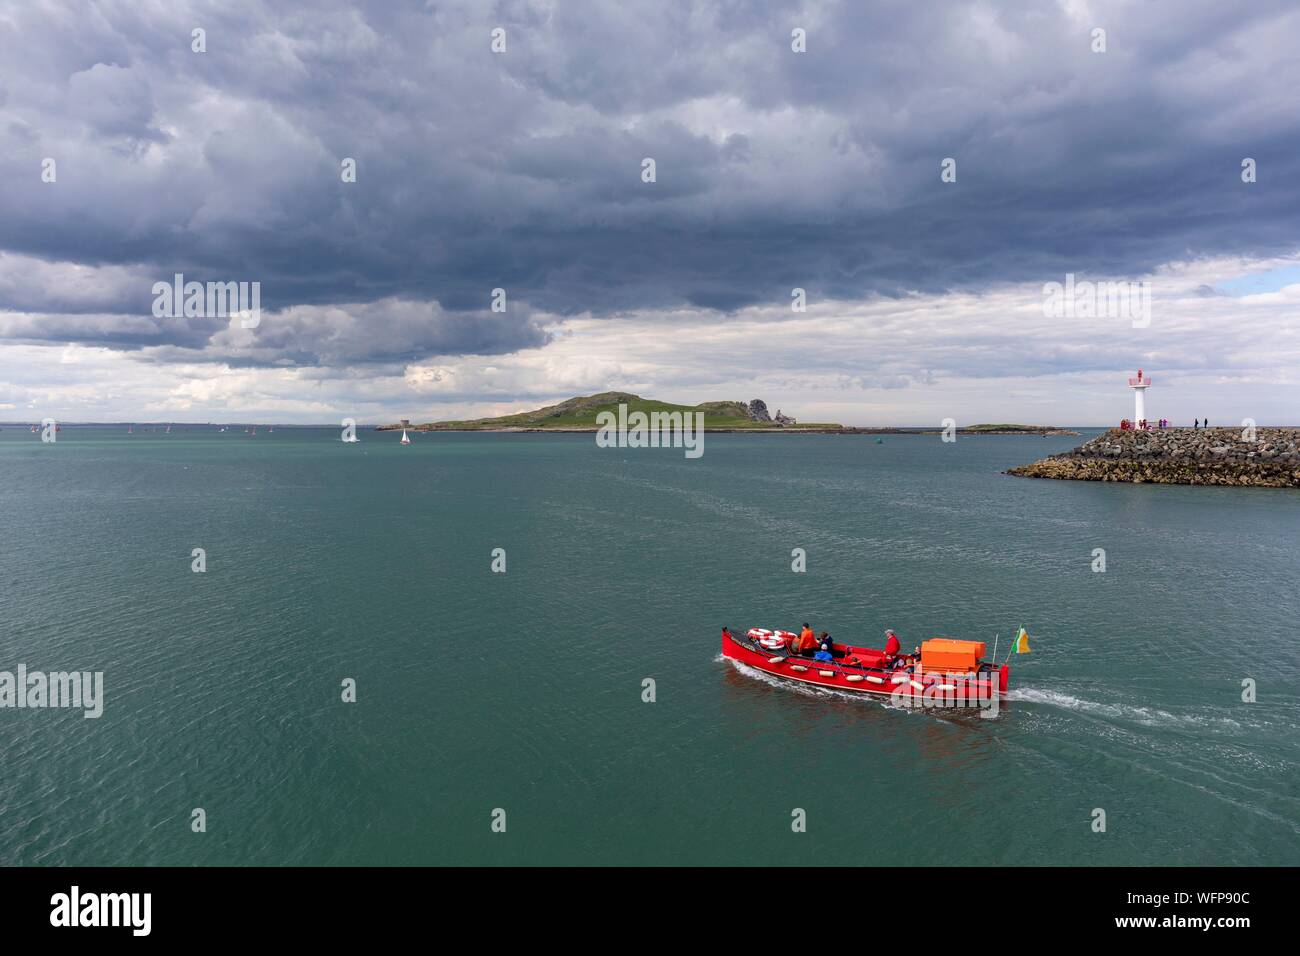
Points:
[(1139, 386)]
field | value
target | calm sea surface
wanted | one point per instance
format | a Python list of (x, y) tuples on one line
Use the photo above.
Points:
[(523, 690)]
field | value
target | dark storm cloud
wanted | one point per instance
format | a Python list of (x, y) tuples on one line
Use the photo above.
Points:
[(522, 170)]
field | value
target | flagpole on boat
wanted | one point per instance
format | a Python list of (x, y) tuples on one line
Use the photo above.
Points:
[(995, 648)]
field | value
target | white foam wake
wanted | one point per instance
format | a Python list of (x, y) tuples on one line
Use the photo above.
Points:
[(1150, 716)]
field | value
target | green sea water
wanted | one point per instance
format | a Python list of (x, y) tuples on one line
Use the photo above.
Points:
[(523, 691)]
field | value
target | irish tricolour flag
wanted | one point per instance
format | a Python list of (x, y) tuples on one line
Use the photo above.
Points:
[(1021, 643)]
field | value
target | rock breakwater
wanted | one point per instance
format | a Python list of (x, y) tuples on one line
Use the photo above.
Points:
[(1180, 456)]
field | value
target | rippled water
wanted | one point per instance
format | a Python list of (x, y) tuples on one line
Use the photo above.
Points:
[(523, 691)]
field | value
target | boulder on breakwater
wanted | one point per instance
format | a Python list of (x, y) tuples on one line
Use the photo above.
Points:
[(1266, 458)]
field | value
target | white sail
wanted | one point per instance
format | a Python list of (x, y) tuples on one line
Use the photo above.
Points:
[(405, 440)]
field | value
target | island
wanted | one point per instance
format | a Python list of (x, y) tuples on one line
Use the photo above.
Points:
[(579, 415), (1265, 457)]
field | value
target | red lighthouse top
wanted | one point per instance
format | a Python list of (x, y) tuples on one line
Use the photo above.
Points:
[(1141, 381)]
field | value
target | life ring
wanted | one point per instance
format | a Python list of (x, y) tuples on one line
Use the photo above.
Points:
[(768, 639)]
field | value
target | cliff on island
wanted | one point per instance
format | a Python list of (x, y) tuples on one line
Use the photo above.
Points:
[(1180, 456)]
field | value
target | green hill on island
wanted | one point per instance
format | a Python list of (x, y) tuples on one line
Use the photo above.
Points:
[(579, 414)]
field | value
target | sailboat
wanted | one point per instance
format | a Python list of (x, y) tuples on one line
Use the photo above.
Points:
[(168, 431), (405, 440), (129, 430)]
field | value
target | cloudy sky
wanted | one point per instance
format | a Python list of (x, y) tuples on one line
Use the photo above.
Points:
[(773, 170)]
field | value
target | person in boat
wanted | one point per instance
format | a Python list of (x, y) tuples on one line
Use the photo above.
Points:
[(826, 644), (806, 642)]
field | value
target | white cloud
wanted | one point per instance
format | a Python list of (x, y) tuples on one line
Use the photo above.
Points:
[(909, 361)]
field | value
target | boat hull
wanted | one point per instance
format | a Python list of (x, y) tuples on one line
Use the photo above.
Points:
[(934, 689)]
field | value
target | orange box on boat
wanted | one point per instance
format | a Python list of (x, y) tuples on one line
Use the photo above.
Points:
[(949, 654)]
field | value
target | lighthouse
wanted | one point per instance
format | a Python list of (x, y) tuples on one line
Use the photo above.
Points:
[(1139, 386)]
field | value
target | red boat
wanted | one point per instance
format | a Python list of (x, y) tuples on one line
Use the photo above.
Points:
[(945, 672)]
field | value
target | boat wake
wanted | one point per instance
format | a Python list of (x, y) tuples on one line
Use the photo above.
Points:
[(1150, 716)]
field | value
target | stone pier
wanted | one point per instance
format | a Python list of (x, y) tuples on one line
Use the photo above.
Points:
[(1180, 456)]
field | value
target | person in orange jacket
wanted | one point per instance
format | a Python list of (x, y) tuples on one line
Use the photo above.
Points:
[(806, 642)]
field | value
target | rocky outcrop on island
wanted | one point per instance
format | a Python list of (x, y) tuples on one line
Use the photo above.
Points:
[(758, 413), (1264, 458)]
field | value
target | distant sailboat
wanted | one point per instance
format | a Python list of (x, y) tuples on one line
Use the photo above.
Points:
[(405, 440), (168, 431), (129, 430)]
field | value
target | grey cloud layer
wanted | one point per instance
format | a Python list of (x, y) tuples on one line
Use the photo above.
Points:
[(522, 170)]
